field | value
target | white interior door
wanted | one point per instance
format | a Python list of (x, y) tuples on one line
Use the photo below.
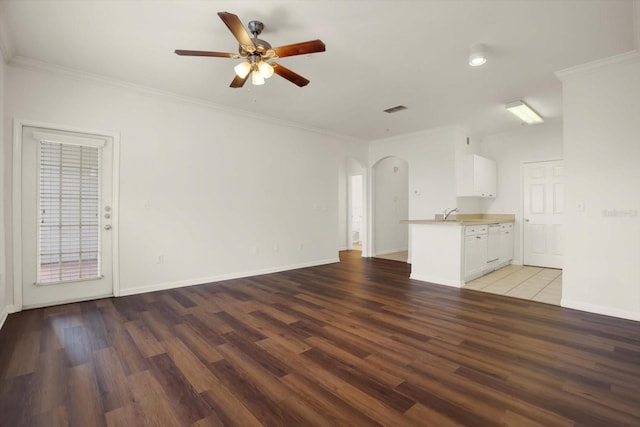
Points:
[(543, 213), (66, 217)]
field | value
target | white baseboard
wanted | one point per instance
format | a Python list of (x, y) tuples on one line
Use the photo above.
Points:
[(7, 310), (391, 251), (437, 280), (600, 309), (66, 301), (221, 277)]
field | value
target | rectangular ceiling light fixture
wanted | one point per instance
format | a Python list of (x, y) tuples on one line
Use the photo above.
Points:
[(524, 112), (395, 109)]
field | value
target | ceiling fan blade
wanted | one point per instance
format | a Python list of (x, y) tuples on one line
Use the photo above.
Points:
[(234, 25), (303, 48), (286, 73), (205, 53), (238, 81)]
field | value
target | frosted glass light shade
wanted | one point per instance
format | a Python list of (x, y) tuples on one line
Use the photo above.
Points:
[(242, 69), (266, 69), (525, 113), (256, 78)]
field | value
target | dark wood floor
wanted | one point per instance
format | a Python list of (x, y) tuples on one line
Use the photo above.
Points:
[(349, 344)]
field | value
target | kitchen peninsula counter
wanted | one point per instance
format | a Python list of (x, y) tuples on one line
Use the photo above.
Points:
[(438, 247)]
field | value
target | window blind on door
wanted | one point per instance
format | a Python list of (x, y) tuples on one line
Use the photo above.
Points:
[(69, 212)]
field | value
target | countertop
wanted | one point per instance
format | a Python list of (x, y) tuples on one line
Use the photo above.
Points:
[(464, 219)]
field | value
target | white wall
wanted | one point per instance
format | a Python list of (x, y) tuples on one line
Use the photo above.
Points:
[(510, 150), (4, 302), (431, 158), (602, 155), (391, 205), (195, 187), (465, 145)]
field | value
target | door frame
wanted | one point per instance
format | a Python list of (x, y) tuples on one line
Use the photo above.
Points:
[(18, 125), (350, 211), (523, 164)]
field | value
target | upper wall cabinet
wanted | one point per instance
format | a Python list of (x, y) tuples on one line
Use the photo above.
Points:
[(476, 176)]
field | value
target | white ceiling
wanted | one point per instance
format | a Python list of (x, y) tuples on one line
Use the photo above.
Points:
[(379, 54)]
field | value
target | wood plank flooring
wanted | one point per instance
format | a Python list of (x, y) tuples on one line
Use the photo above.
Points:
[(351, 344)]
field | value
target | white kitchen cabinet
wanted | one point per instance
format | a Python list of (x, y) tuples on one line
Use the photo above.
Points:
[(475, 251), (506, 244), (476, 176), (454, 252)]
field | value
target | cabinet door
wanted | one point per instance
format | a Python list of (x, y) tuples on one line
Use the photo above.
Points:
[(484, 175), (489, 178), (475, 259), (506, 246)]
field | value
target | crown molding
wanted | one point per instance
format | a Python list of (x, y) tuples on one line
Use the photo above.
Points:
[(598, 65), (33, 64)]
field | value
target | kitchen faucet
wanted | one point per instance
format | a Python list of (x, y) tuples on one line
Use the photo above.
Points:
[(446, 214)]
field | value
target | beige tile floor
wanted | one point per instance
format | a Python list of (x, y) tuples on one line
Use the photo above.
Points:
[(518, 281), (521, 281)]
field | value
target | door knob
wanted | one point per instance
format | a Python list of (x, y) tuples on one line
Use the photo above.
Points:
[(526, 220), (107, 227)]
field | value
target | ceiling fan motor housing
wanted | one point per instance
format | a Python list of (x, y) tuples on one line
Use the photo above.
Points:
[(261, 46), (255, 28)]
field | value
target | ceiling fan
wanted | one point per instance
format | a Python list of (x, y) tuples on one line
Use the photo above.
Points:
[(257, 52)]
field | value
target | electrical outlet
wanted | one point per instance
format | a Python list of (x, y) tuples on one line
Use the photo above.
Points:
[(256, 251)]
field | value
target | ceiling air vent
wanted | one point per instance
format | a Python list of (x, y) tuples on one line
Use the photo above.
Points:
[(395, 109)]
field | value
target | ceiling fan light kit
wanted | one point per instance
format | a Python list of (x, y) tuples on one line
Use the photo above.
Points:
[(256, 78), (242, 69), (265, 69), (257, 52)]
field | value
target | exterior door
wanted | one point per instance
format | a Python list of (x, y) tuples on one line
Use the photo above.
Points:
[(543, 213), (66, 217)]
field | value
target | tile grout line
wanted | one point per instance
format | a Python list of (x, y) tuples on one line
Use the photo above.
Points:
[(532, 298), (541, 290)]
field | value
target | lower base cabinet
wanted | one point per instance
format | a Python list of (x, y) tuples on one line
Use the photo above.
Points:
[(475, 250), (506, 244)]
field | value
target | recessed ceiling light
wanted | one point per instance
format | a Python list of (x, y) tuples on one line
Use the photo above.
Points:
[(477, 55)]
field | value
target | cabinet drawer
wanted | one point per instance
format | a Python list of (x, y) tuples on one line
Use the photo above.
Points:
[(472, 230)]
